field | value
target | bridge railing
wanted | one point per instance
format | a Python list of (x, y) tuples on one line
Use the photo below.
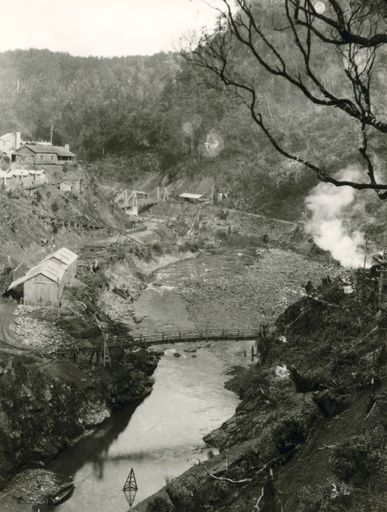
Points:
[(150, 338), (165, 337)]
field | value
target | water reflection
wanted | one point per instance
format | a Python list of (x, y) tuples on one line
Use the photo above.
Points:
[(94, 448), (161, 438)]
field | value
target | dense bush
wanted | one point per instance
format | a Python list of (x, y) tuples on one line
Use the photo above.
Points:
[(159, 504), (355, 460), (325, 498), (288, 434)]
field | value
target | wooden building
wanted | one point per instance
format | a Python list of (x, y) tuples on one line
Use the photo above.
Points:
[(191, 198), (9, 143), (43, 284), (70, 185), (22, 178), (44, 154)]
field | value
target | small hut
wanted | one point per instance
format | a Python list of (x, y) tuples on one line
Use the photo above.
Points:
[(42, 285), (191, 198)]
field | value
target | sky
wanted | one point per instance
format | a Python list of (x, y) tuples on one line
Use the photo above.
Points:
[(102, 27)]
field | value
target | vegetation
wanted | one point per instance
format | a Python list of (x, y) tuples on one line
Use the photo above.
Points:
[(327, 56)]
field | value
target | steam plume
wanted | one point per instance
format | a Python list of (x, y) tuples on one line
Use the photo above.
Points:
[(328, 205)]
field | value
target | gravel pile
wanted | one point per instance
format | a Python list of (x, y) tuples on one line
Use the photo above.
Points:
[(31, 486), (40, 333)]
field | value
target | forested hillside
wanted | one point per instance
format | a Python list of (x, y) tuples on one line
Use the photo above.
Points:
[(162, 114)]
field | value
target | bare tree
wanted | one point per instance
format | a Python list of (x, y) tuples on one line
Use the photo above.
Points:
[(353, 28)]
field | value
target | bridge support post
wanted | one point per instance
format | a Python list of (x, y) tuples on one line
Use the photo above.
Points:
[(106, 360)]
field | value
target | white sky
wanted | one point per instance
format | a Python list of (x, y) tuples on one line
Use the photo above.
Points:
[(101, 27)]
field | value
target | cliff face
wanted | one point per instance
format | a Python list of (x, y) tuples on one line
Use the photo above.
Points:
[(47, 404), (312, 412)]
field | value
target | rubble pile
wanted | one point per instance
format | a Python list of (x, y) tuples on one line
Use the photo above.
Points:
[(36, 333), (31, 486)]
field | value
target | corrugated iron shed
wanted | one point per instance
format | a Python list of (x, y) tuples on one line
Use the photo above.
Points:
[(49, 269), (187, 195)]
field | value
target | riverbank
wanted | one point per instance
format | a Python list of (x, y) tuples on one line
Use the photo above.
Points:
[(47, 404), (309, 433), (226, 284), (49, 398)]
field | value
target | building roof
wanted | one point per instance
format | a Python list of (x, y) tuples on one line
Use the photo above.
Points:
[(63, 255), (43, 148), (186, 195), (49, 269), (7, 135), (20, 172)]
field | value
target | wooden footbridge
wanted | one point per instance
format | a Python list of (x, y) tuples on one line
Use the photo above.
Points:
[(135, 202), (193, 336), (103, 348)]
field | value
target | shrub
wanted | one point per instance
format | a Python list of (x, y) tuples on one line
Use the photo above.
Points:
[(159, 504), (355, 460), (288, 434), (323, 499), (222, 214)]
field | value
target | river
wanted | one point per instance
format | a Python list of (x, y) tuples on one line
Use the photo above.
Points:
[(159, 439)]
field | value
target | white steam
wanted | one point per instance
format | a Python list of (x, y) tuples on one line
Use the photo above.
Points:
[(328, 205)]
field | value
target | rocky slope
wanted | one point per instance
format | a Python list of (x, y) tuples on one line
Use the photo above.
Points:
[(310, 432), (47, 403)]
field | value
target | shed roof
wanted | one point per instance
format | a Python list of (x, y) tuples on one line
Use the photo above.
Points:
[(49, 269), (186, 195), (64, 255), (20, 172), (42, 148)]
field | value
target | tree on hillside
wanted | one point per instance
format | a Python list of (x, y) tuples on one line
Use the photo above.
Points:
[(331, 53)]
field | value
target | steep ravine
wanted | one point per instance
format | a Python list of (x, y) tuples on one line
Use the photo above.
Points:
[(46, 404), (312, 412)]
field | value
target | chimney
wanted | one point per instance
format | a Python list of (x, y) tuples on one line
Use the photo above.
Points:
[(67, 146), (17, 140)]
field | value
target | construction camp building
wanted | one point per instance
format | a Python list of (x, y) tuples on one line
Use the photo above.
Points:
[(43, 284), (22, 179)]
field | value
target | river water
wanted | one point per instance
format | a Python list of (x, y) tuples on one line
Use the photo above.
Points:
[(159, 439)]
